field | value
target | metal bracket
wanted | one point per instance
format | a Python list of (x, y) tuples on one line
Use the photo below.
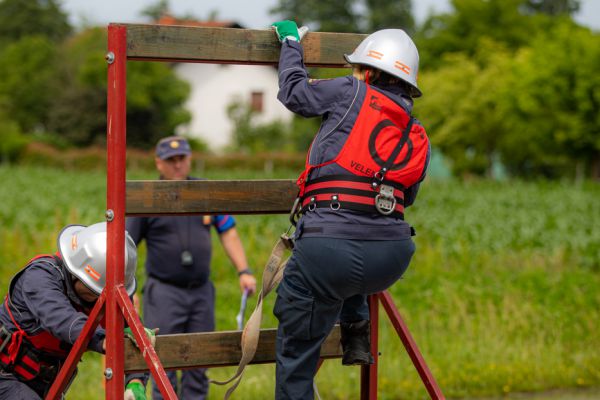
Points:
[(385, 202)]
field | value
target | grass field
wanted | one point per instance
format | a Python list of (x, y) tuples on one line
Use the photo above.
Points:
[(502, 295)]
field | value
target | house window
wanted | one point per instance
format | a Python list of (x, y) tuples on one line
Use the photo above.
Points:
[(256, 101)]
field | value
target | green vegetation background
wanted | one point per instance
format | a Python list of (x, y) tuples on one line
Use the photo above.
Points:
[(507, 84), (501, 296)]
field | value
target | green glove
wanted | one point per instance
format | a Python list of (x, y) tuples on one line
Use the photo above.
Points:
[(289, 30), (151, 333), (135, 391)]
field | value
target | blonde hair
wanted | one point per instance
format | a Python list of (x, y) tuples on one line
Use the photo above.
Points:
[(378, 77)]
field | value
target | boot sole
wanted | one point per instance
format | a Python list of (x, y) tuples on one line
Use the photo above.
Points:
[(357, 358)]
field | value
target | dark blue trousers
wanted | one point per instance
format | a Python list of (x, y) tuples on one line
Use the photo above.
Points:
[(325, 281), (12, 389), (180, 310)]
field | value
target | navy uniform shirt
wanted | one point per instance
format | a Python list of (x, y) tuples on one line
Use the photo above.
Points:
[(338, 101), (41, 302), (167, 237)]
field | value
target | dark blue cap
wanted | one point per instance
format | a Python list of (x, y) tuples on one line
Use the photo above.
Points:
[(172, 146)]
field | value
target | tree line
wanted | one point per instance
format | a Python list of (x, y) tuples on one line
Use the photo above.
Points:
[(53, 85), (505, 82)]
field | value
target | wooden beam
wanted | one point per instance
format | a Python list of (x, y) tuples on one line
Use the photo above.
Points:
[(232, 46), (215, 349), (273, 196)]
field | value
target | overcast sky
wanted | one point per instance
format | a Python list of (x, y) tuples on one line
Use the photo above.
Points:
[(249, 13)]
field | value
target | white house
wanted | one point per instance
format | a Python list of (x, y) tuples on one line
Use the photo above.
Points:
[(215, 86)]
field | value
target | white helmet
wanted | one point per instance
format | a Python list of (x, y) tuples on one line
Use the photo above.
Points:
[(83, 251), (391, 51)]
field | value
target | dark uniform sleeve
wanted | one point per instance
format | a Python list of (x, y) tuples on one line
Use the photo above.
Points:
[(45, 298), (304, 96), (410, 194), (136, 227)]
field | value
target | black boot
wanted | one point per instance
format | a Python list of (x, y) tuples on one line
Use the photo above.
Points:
[(356, 343)]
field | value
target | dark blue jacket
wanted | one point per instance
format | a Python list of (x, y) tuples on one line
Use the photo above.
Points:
[(43, 299)]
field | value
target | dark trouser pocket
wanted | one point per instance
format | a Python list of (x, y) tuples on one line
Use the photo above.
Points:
[(293, 309)]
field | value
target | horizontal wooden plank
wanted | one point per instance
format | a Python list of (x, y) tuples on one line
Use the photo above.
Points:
[(232, 46), (272, 196), (215, 349)]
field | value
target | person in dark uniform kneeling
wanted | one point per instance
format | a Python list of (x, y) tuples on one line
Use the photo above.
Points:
[(47, 306)]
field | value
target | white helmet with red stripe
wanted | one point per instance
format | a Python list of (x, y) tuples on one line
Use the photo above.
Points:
[(83, 250), (392, 51)]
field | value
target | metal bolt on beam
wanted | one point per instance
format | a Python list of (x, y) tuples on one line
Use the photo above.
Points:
[(110, 215), (110, 57), (108, 373)]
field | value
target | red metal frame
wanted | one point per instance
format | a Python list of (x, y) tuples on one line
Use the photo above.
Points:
[(118, 304), (368, 373), (114, 301), (66, 372), (411, 347), (115, 204)]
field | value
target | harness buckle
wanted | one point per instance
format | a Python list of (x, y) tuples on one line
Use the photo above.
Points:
[(287, 239), (378, 178), (5, 337), (295, 211), (385, 202)]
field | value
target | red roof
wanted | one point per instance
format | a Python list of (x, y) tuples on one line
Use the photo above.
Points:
[(170, 20)]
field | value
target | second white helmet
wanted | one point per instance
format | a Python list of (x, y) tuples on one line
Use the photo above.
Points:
[(83, 250), (391, 51)]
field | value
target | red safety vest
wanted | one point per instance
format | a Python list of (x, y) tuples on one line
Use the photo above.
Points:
[(25, 355), (384, 151)]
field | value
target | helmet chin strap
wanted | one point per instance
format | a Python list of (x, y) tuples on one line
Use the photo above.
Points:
[(71, 292), (367, 77)]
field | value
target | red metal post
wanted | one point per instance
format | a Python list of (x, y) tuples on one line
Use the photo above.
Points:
[(66, 372), (411, 347), (368, 373), (115, 205), (319, 364), (133, 320)]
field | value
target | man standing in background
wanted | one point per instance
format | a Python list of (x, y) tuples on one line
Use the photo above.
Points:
[(178, 296)]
